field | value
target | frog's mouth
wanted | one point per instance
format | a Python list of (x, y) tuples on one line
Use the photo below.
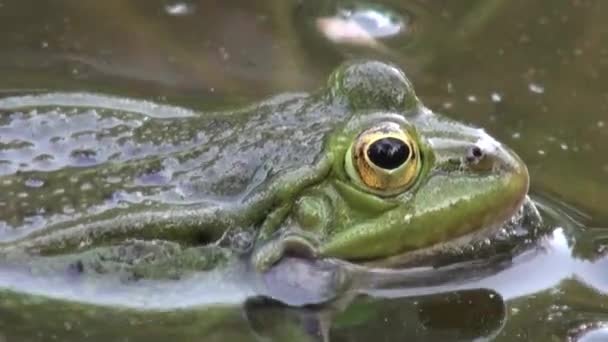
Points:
[(493, 241)]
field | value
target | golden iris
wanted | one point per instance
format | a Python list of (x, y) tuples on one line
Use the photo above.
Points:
[(385, 158)]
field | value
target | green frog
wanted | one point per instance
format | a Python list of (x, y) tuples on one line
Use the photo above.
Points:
[(359, 171)]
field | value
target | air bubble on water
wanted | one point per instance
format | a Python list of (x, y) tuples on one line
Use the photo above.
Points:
[(472, 98), (600, 124), (536, 88), (179, 9), (541, 152), (563, 146), (516, 135)]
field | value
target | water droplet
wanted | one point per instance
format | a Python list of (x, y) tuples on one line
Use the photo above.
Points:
[(600, 124), (472, 98), (536, 88), (113, 179), (563, 146), (450, 87), (224, 53), (496, 97), (179, 9), (516, 135), (86, 186), (541, 152)]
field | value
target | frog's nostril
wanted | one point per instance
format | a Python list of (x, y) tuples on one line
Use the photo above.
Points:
[(475, 154)]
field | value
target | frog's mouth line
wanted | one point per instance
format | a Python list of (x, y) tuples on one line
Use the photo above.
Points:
[(472, 244)]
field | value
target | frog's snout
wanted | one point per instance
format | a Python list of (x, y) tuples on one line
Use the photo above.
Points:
[(489, 155)]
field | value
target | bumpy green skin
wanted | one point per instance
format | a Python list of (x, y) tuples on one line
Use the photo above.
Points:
[(80, 173)]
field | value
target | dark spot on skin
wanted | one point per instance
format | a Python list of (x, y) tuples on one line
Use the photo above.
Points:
[(203, 238), (84, 157), (76, 268), (388, 153)]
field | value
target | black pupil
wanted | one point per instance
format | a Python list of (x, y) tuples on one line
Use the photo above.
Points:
[(388, 153)]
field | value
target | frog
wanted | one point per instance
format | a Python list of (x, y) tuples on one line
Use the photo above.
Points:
[(359, 170)]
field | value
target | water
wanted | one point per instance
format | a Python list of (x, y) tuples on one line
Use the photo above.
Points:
[(531, 73)]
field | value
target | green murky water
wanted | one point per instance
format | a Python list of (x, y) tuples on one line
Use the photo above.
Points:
[(532, 73)]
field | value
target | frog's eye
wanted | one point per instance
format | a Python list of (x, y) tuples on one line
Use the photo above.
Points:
[(385, 159)]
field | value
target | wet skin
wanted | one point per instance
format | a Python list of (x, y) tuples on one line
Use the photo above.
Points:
[(359, 171)]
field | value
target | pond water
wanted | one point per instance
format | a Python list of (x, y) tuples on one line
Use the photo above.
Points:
[(533, 74)]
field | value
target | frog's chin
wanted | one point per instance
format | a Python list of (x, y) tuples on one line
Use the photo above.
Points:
[(478, 244)]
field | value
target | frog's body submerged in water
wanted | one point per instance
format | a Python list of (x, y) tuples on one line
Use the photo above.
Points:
[(359, 171)]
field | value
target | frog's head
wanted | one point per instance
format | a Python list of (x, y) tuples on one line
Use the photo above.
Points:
[(404, 179)]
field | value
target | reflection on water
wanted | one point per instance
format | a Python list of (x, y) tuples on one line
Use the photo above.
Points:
[(531, 73), (362, 25)]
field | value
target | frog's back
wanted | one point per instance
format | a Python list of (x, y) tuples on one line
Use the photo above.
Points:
[(61, 162)]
